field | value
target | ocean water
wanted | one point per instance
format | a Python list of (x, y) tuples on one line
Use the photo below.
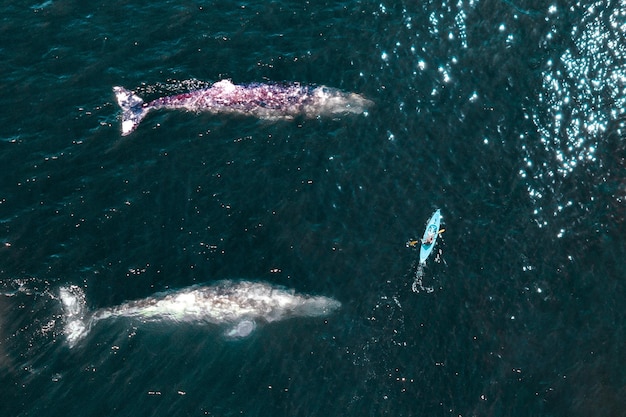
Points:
[(509, 116)]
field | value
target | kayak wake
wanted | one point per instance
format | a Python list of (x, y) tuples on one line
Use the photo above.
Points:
[(418, 285)]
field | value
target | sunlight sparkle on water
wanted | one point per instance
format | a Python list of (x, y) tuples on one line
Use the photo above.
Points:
[(583, 93)]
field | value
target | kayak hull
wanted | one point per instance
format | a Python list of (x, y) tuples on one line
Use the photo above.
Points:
[(432, 229)]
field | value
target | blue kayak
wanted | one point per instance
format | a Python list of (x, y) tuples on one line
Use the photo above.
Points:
[(430, 236)]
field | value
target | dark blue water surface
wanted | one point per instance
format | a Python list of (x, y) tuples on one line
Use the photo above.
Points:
[(508, 116)]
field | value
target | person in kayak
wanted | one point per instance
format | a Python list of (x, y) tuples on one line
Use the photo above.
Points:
[(427, 241)]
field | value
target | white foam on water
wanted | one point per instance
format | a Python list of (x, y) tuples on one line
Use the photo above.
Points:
[(74, 308)]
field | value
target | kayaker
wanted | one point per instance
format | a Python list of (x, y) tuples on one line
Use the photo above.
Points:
[(429, 239)]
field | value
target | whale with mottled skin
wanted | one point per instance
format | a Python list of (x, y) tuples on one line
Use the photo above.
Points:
[(238, 305), (265, 101)]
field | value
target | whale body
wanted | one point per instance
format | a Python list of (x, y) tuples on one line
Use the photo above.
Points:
[(237, 304), (264, 101)]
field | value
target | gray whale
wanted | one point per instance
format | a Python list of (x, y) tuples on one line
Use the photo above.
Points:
[(265, 101), (237, 304)]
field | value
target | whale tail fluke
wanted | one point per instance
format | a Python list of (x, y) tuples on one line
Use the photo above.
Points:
[(74, 309), (133, 109)]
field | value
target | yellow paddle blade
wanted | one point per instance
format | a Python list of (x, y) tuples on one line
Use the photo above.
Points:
[(441, 231)]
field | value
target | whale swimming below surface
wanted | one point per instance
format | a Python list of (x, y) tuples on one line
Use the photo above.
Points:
[(239, 305), (265, 101)]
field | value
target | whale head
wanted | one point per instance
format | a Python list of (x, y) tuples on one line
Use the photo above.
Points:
[(330, 101), (316, 307)]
